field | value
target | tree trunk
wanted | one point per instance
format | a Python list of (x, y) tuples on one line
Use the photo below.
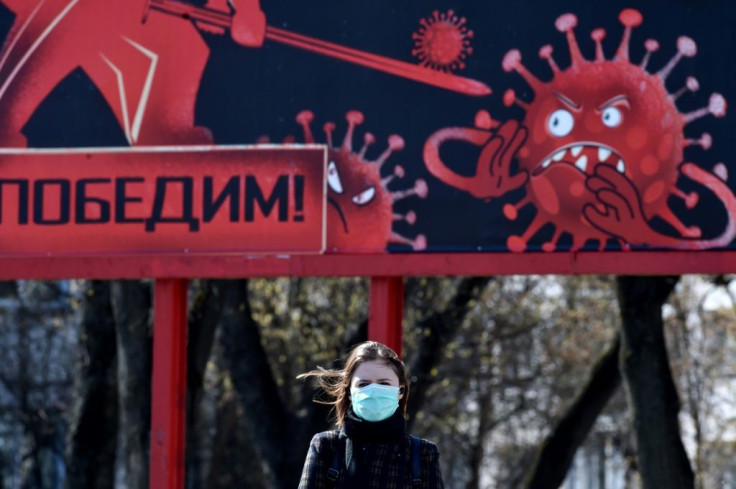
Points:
[(131, 303), (93, 425), (655, 405), (265, 413), (8, 289), (204, 316), (438, 329), (556, 453)]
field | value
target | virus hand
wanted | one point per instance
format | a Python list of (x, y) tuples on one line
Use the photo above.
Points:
[(493, 176), (494, 163), (618, 210)]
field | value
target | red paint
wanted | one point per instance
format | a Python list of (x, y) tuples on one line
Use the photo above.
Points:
[(386, 311), (169, 384), (163, 200)]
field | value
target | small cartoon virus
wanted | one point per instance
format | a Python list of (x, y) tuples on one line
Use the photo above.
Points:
[(442, 42), (604, 112), (360, 215)]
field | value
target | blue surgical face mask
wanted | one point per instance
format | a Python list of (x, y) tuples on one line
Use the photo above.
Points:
[(375, 402)]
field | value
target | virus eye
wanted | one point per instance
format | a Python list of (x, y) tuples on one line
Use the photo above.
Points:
[(365, 196), (333, 178), (611, 117), (560, 123)]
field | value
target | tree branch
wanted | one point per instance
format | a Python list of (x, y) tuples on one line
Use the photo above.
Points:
[(556, 453), (435, 333)]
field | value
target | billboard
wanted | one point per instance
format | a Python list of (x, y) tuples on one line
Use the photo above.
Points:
[(211, 199), (465, 126)]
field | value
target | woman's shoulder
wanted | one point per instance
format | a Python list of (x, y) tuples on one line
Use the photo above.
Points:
[(427, 448), (325, 438)]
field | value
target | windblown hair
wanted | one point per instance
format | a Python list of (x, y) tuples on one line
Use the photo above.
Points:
[(336, 383)]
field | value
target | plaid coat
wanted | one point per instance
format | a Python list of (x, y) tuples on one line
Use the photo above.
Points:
[(388, 464)]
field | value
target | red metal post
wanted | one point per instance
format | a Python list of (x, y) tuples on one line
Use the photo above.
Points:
[(386, 311), (169, 386)]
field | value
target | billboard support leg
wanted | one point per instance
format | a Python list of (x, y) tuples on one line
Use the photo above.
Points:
[(386, 311), (169, 384)]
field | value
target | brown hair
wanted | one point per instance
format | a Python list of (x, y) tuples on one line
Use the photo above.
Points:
[(336, 383)]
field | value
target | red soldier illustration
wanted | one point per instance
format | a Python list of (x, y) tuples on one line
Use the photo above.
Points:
[(147, 67)]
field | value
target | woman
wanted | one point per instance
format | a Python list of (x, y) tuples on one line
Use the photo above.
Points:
[(372, 449)]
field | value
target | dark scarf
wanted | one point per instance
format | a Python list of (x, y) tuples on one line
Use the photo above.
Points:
[(360, 432)]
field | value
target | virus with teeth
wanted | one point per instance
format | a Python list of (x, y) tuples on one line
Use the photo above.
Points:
[(442, 41), (604, 148), (360, 215)]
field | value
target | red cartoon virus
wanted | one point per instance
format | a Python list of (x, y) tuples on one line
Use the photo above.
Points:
[(442, 42), (605, 140), (360, 215)]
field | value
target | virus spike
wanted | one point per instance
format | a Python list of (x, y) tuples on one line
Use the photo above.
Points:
[(550, 245), (511, 211), (685, 47), (368, 139), (721, 171), (630, 18), (420, 190), (705, 141), (579, 241), (598, 35), (264, 139), (518, 243), (545, 52), (483, 120), (674, 221), (419, 243), (651, 45), (305, 118), (691, 198), (288, 139), (354, 118), (509, 99), (566, 23), (716, 106), (329, 127), (410, 217), (512, 62), (395, 143), (398, 173), (691, 85)]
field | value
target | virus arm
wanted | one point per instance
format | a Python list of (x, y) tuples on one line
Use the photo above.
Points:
[(493, 176), (619, 211)]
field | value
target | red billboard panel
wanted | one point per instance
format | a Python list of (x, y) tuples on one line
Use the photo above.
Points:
[(223, 199)]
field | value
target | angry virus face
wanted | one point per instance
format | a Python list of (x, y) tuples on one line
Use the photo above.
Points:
[(599, 151), (360, 215), (599, 112)]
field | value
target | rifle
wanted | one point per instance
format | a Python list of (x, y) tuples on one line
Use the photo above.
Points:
[(448, 81)]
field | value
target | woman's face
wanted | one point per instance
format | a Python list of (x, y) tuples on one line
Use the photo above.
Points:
[(375, 372)]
